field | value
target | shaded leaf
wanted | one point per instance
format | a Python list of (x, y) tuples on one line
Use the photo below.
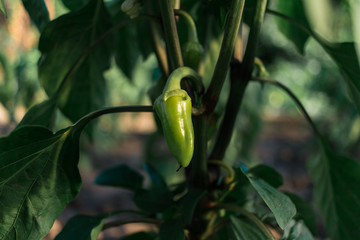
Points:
[(156, 199), (172, 229), (280, 205), (295, 10), (344, 55), (2, 8), (82, 227), (140, 236), (120, 176), (38, 12), (268, 174), (156, 178), (42, 114), (297, 231), (39, 177), (68, 40), (304, 211), (244, 229), (75, 5), (337, 194), (189, 203)]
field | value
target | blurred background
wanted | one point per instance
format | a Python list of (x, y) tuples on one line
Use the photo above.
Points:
[(269, 128)]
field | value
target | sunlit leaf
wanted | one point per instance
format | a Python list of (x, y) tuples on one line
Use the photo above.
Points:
[(295, 10), (38, 178), (120, 176), (38, 12), (68, 40), (82, 227), (337, 194), (172, 229), (2, 7)]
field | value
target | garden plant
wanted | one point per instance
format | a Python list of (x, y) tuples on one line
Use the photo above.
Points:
[(195, 105)]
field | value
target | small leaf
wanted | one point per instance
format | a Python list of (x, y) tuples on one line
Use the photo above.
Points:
[(82, 227), (244, 229), (39, 177), (189, 203), (295, 10), (140, 236), (69, 40), (337, 194), (38, 12), (304, 212), (42, 114), (2, 8), (281, 206), (120, 176), (268, 174), (156, 178), (172, 229), (297, 231)]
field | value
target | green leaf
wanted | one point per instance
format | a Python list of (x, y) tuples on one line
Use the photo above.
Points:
[(297, 231), (295, 10), (82, 227), (2, 8), (38, 12), (42, 114), (337, 194), (172, 229), (244, 229), (156, 178), (140, 236), (344, 55), (121, 176), (69, 40), (153, 200), (189, 203), (39, 177), (304, 212), (280, 205), (75, 5), (268, 174)]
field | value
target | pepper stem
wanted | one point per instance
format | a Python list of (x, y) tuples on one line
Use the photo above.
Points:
[(174, 80)]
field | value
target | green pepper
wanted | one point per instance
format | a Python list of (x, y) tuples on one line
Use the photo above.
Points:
[(173, 108)]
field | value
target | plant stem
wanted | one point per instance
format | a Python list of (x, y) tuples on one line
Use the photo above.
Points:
[(230, 35), (198, 173), (95, 114), (171, 35), (131, 220), (191, 27), (294, 98), (240, 75)]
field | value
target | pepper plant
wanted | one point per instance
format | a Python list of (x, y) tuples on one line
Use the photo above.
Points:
[(39, 172)]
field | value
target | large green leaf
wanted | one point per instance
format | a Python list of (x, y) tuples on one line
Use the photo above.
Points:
[(39, 177), (75, 5), (244, 229), (344, 55), (2, 7), (65, 43), (337, 193), (120, 176), (268, 174), (153, 200), (38, 12), (172, 229), (82, 227), (42, 114), (295, 10), (280, 205)]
